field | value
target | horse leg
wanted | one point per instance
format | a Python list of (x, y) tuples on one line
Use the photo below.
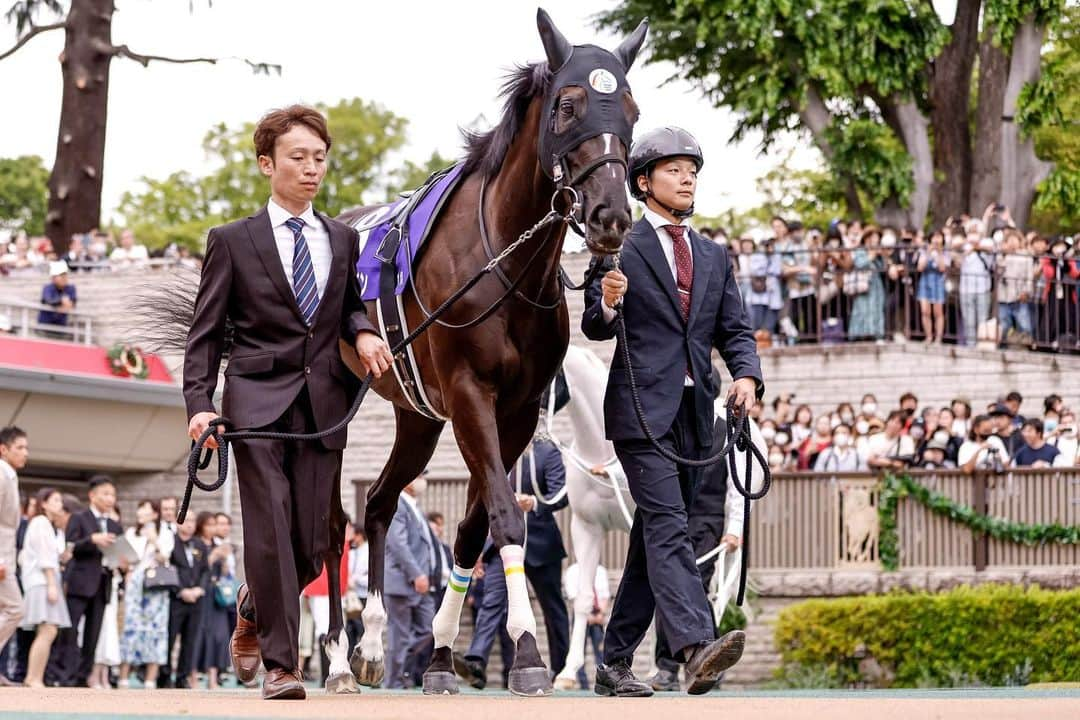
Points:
[(587, 538), (414, 444), (440, 678), (487, 454), (339, 678)]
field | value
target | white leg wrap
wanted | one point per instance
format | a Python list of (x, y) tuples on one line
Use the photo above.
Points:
[(338, 651), (445, 624), (519, 615), (374, 616)]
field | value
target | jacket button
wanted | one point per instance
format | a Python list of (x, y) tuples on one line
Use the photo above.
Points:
[(311, 336), (307, 371)]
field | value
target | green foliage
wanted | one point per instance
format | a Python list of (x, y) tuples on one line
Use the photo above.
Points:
[(894, 487), (183, 207), (759, 59), (411, 176), (994, 635), (1049, 111), (1008, 15), (24, 194)]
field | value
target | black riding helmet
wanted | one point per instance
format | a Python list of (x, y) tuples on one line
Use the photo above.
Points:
[(654, 146)]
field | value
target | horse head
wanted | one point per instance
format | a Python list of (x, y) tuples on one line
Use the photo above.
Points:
[(587, 124)]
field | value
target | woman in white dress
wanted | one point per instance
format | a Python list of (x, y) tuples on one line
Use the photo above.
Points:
[(107, 653), (145, 640), (44, 608)]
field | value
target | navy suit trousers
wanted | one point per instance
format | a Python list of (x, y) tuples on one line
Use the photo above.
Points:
[(660, 574)]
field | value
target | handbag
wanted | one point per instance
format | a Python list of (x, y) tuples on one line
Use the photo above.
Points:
[(225, 591), (161, 578), (352, 605)]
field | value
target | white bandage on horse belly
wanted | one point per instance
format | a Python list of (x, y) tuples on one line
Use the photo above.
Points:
[(519, 615), (445, 624)]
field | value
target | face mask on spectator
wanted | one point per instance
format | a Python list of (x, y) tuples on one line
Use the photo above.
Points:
[(847, 418), (941, 436), (888, 240), (782, 439), (841, 440), (768, 433), (862, 427), (776, 459), (1049, 425), (869, 408)]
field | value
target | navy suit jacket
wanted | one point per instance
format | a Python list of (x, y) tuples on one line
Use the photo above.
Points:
[(544, 543), (662, 346), (85, 573)]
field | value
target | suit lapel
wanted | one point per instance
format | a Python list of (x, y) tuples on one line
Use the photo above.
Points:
[(339, 257), (703, 262), (647, 244), (262, 237)]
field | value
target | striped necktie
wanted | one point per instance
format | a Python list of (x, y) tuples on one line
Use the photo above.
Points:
[(307, 293)]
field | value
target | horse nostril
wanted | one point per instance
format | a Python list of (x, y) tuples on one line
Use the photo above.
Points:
[(613, 220)]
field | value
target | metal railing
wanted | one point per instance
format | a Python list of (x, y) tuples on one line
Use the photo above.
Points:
[(824, 522), (853, 294), (22, 317)]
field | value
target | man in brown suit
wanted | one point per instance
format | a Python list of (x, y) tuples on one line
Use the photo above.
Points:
[(14, 452), (286, 279)]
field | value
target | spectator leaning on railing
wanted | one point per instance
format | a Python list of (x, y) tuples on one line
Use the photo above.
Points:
[(59, 294)]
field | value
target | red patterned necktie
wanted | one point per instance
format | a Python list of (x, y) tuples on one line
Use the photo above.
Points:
[(684, 266)]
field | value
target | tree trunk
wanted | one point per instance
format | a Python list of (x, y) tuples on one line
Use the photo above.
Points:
[(816, 117), (75, 183), (912, 127), (1021, 170), (986, 178), (950, 87)]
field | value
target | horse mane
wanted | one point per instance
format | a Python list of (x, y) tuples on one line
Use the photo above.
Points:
[(485, 151)]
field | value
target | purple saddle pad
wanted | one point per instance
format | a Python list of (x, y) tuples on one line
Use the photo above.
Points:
[(418, 227)]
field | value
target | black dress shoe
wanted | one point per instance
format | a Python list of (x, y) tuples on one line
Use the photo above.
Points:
[(471, 671), (665, 681), (618, 680), (708, 661)]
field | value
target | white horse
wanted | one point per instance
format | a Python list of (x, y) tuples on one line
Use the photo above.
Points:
[(602, 502)]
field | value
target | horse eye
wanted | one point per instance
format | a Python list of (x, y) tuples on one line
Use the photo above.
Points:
[(566, 107)]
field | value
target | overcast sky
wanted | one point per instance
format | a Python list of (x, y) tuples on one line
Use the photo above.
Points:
[(439, 64)]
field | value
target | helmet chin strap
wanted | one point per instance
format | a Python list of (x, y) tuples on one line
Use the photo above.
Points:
[(681, 214)]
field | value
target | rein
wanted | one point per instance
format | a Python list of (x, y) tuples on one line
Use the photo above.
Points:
[(198, 460)]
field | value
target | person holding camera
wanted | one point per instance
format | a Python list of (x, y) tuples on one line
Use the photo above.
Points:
[(983, 450)]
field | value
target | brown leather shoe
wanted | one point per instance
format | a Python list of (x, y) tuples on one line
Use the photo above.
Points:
[(244, 645), (281, 684)]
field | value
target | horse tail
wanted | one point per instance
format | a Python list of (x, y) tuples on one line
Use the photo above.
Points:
[(165, 311)]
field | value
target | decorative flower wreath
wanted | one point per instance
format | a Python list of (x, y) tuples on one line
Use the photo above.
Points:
[(128, 361)]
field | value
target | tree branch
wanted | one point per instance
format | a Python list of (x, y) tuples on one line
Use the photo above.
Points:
[(34, 30), (259, 68)]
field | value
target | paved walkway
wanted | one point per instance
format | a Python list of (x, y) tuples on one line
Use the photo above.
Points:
[(1047, 703)]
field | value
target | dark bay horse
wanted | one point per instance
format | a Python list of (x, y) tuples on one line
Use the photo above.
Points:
[(567, 122)]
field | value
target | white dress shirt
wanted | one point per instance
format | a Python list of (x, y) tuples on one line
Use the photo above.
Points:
[(415, 507), (667, 246), (318, 242)]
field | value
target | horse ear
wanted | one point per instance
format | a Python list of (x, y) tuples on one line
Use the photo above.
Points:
[(557, 47), (628, 50)]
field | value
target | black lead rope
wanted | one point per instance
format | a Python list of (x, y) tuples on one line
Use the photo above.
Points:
[(197, 460), (735, 439)]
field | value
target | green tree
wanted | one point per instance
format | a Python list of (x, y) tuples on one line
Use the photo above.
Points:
[(411, 176), (24, 194), (883, 82), (174, 210)]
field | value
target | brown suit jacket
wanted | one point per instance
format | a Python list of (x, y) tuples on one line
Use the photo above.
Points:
[(273, 354)]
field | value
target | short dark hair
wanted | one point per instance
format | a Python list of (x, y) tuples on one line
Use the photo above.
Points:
[(277, 122), (1035, 424), (225, 515), (436, 517), (10, 434), (1014, 397), (1050, 401), (99, 480), (896, 415), (201, 519), (976, 422), (908, 396)]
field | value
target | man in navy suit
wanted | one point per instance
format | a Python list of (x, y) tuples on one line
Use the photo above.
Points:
[(683, 301), (544, 553)]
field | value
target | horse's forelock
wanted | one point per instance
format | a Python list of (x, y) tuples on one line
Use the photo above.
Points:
[(485, 151)]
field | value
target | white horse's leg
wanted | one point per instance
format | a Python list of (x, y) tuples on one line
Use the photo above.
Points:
[(587, 538), (368, 662), (339, 679), (439, 679)]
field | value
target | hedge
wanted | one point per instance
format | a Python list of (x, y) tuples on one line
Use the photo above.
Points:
[(989, 635)]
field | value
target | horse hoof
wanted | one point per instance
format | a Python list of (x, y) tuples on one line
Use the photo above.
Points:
[(530, 682), (440, 682), (565, 683), (341, 684), (367, 672)]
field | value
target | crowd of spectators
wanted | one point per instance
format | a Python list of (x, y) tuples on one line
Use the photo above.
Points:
[(974, 280), (866, 437), (95, 251)]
